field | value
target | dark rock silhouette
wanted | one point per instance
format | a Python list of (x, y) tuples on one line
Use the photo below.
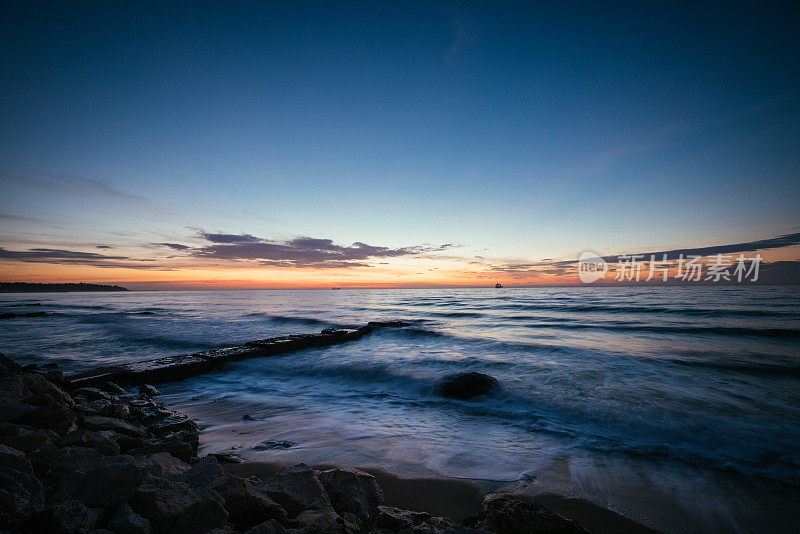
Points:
[(465, 386), (28, 287)]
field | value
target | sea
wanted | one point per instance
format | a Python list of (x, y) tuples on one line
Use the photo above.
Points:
[(677, 406)]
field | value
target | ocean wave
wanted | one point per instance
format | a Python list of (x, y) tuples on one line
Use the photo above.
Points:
[(293, 319), (694, 312), (779, 333)]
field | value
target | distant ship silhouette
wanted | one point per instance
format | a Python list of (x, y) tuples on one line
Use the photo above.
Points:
[(498, 285)]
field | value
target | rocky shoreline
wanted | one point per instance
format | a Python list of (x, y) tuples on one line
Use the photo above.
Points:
[(172, 368), (79, 459)]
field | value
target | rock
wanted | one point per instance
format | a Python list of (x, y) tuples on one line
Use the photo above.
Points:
[(173, 423), (247, 505), (8, 366), (97, 422), (318, 521), (464, 386), (126, 443), (388, 324), (179, 449), (98, 481), (14, 459), (112, 388), (267, 527), (206, 472), (126, 521), (56, 417), (161, 464), (355, 495), (102, 441), (227, 457), (118, 411), (95, 407), (148, 390), (506, 514), (12, 411), (388, 518), (173, 507), (270, 445), (297, 489), (69, 517), (91, 393), (21, 495), (38, 384), (25, 438)]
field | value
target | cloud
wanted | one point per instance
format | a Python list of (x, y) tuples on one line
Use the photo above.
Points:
[(787, 240), (81, 185), (17, 218), (173, 246), (230, 238), (71, 257), (463, 36), (301, 251)]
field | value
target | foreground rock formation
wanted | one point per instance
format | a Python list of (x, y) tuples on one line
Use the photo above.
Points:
[(106, 459)]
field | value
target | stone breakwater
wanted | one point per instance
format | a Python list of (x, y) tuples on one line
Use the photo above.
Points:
[(81, 459), (173, 368)]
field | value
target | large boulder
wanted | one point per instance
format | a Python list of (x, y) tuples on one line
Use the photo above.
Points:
[(126, 521), (318, 522), (465, 386), (174, 507), (102, 441), (297, 489), (98, 422), (105, 481), (246, 503), (56, 417), (161, 464), (390, 519), (14, 459), (267, 527), (179, 449), (68, 517), (26, 438), (21, 495), (355, 495), (507, 514), (8, 366)]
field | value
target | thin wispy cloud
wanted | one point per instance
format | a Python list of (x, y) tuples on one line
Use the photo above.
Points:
[(463, 35), (72, 257)]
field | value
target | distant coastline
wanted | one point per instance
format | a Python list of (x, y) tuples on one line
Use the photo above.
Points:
[(27, 287)]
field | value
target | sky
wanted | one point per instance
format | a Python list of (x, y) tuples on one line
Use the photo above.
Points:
[(391, 144)]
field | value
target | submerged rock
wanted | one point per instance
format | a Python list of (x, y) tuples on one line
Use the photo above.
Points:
[(464, 386)]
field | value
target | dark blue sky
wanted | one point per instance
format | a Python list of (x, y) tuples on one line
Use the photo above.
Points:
[(515, 129)]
